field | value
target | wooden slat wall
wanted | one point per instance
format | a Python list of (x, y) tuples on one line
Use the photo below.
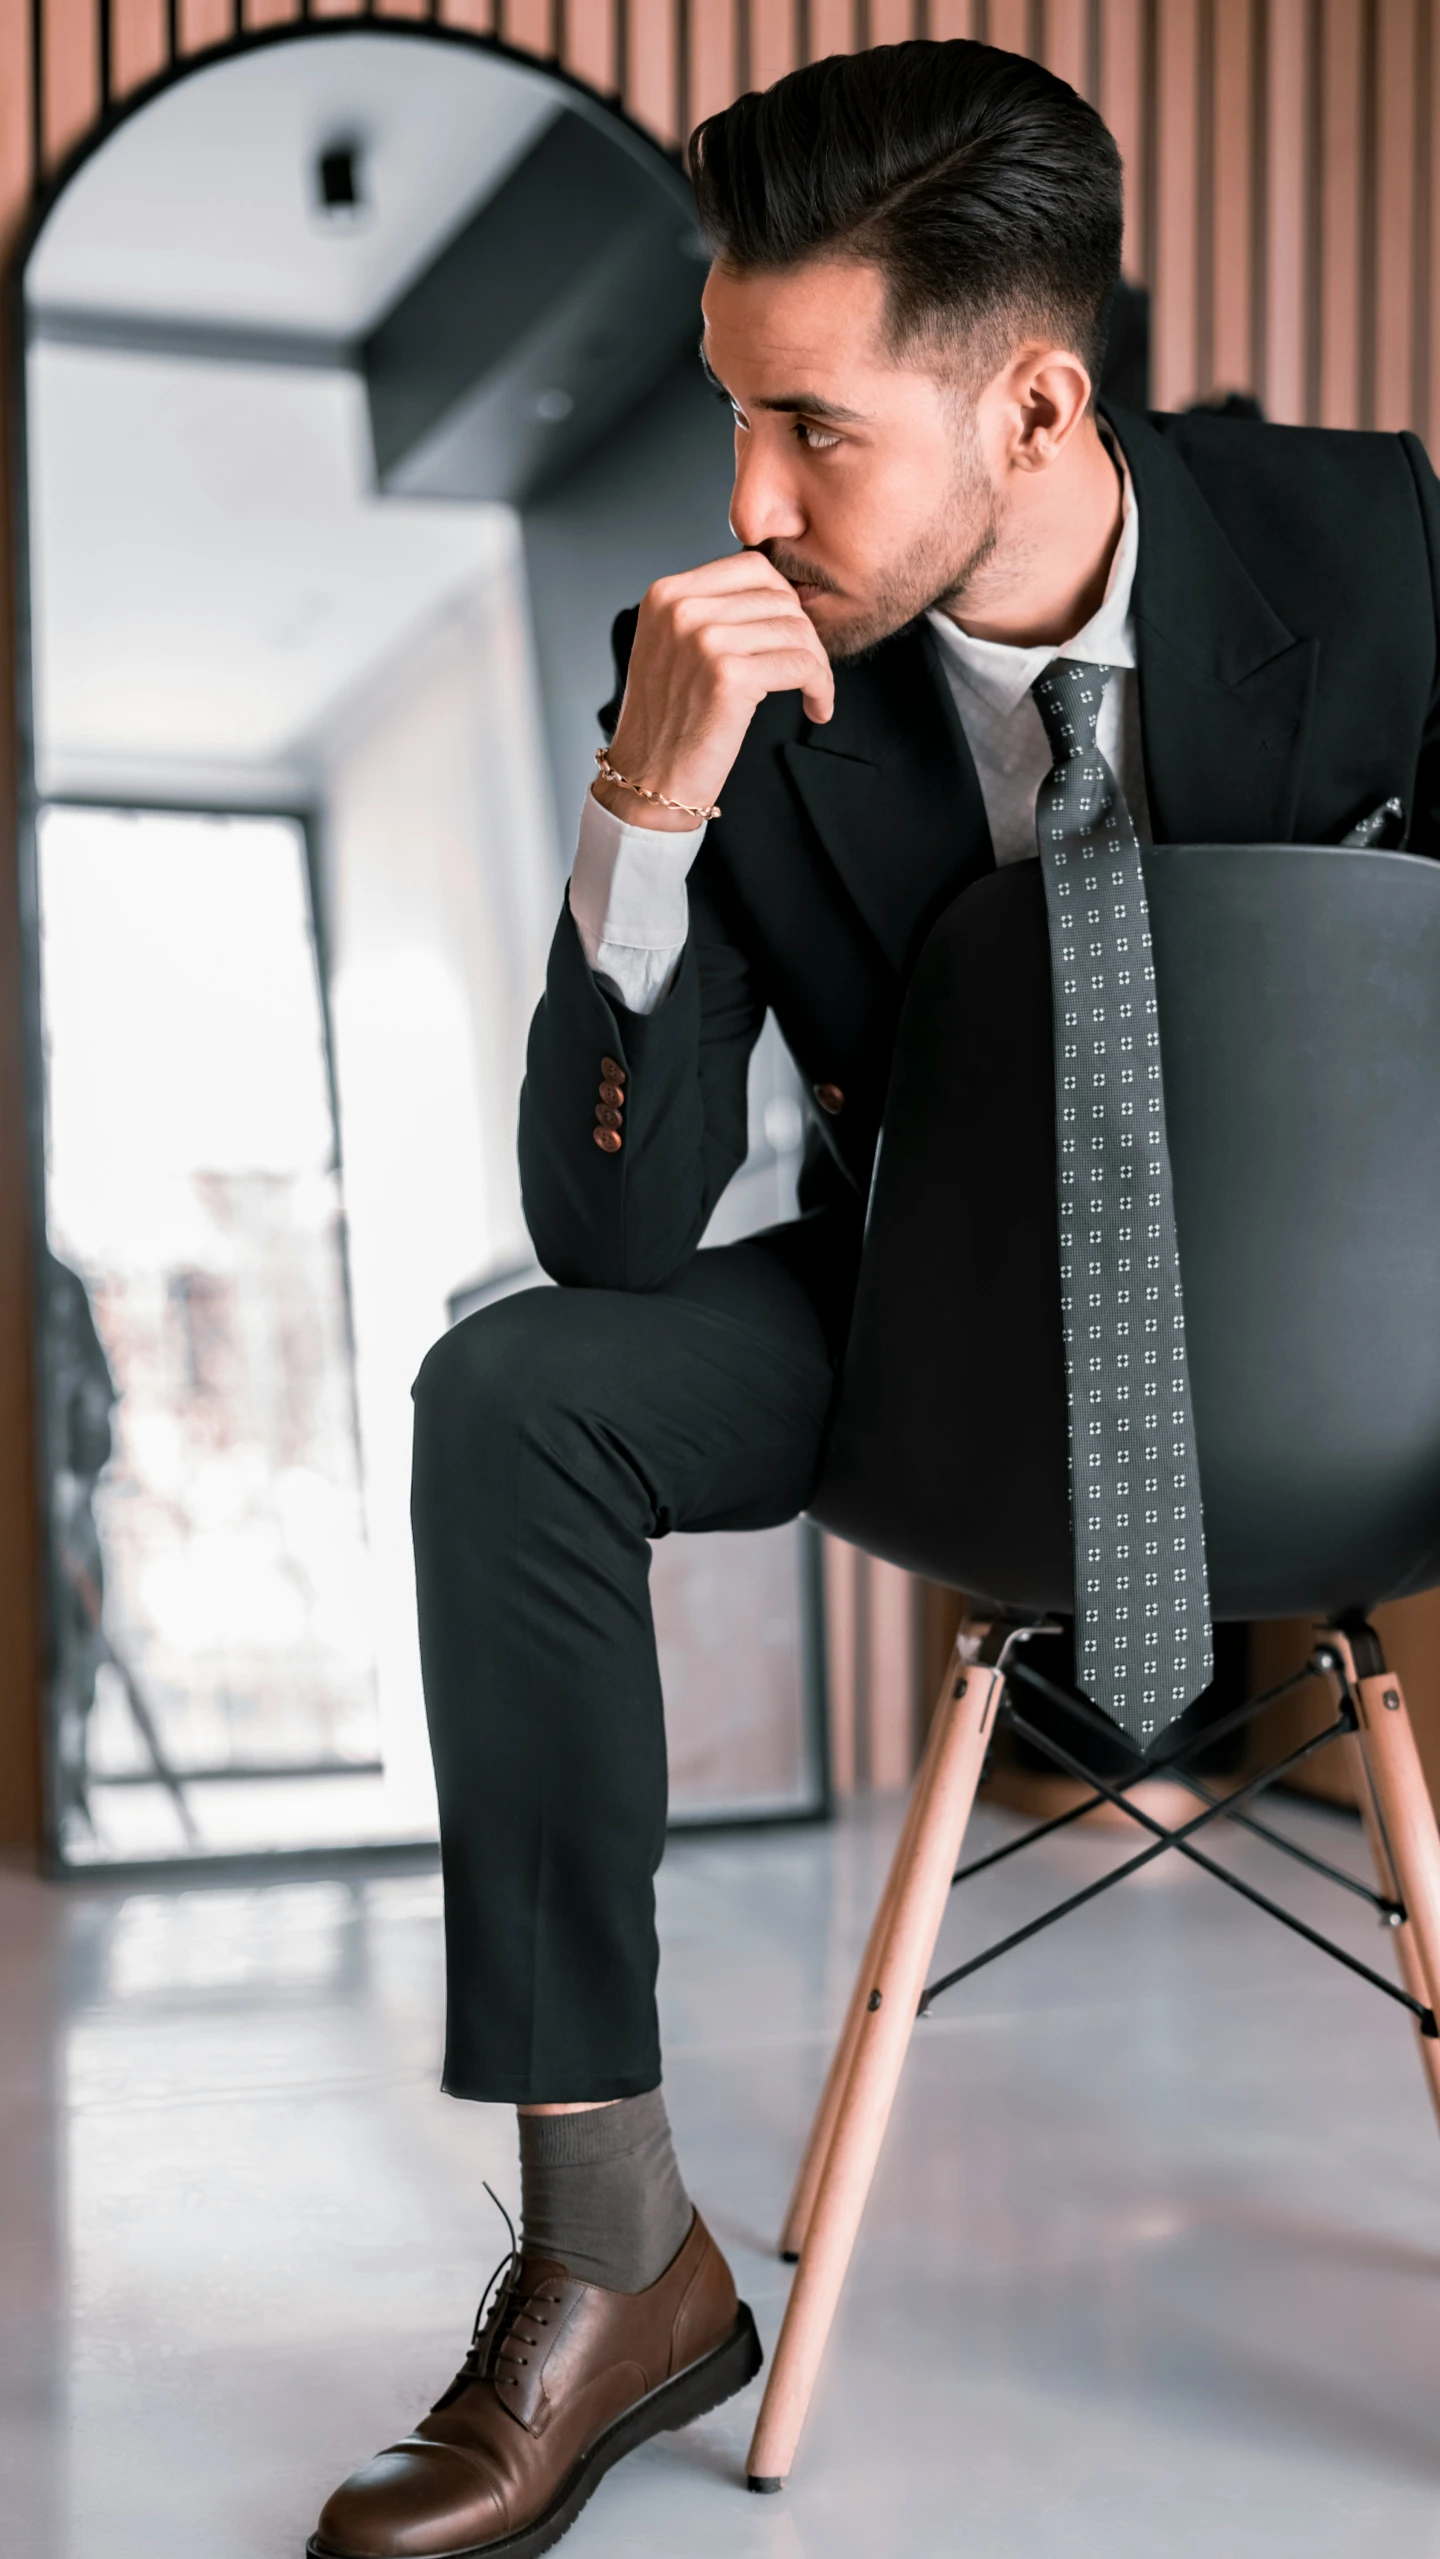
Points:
[(1280, 203)]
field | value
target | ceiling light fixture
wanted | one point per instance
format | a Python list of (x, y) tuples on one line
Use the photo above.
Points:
[(339, 186)]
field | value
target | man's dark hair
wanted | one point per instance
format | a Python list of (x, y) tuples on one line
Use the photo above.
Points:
[(986, 191)]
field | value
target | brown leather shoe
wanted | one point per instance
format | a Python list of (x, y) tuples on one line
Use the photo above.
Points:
[(562, 2380)]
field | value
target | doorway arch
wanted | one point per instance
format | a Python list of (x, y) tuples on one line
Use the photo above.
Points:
[(176, 226)]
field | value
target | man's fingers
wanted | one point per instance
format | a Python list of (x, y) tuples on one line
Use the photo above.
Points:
[(739, 604), (786, 670), (744, 638), (738, 569)]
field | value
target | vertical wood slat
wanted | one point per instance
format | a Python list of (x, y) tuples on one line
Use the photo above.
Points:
[(589, 47), (71, 95), (1008, 25), (950, 18), (832, 28), (1065, 45), (139, 47), (260, 14), (1423, 147), (20, 1615), (1286, 138), (1232, 190), (1428, 108), (202, 23), (876, 1637), (1123, 105), (893, 1668), (650, 67), (841, 1574), (713, 34), (892, 21), (19, 136), (772, 41), (528, 23), (476, 17), (1393, 285), (1342, 154), (1174, 253)]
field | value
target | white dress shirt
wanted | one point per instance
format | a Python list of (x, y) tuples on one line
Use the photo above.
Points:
[(627, 889)]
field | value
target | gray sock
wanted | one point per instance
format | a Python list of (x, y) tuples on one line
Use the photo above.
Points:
[(602, 2192)]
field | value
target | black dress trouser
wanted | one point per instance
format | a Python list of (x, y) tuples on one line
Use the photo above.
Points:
[(556, 1433)]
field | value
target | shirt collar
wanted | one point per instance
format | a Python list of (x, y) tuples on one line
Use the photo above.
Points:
[(1002, 675)]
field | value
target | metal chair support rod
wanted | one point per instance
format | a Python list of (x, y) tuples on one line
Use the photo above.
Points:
[(1219, 1731), (1162, 1766), (1081, 1708), (1179, 1840), (1133, 1866), (1155, 1768), (1388, 1910)]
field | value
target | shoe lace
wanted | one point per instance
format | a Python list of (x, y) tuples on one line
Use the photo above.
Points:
[(501, 2303), (498, 2302)]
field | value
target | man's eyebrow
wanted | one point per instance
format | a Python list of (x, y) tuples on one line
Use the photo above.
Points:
[(808, 404), (792, 404)]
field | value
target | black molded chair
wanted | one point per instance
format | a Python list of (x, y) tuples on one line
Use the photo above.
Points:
[(1299, 1007)]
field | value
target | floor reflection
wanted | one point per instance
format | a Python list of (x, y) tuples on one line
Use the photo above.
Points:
[(1150, 2264)]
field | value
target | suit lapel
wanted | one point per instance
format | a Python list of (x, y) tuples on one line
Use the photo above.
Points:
[(1225, 692), (1225, 688), (891, 789)]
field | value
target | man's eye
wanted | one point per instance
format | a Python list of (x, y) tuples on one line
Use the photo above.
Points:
[(815, 439)]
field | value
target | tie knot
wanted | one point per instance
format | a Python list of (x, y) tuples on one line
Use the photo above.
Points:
[(1068, 697)]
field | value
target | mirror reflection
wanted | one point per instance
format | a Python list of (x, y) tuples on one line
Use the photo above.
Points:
[(329, 514)]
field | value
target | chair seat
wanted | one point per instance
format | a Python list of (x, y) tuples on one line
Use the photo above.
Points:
[(1299, 1008)]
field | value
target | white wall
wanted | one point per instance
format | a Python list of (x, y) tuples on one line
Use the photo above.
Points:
[(442, 884)]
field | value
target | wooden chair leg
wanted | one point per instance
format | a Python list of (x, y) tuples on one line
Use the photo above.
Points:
[(944, 1793), (817, 2148), (1403, 1938), (1400, 1819)]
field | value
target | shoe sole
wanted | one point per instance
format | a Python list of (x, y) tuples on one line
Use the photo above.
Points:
[(702, 2386)]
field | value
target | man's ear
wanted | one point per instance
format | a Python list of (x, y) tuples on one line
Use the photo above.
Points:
[(1050, 392)]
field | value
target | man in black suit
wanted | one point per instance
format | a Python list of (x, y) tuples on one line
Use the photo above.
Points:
[(915, 254)]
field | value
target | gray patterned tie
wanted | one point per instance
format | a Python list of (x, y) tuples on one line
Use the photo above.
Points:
[(1142, 1606)]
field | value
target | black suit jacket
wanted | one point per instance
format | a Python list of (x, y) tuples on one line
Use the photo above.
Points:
[(1286, 605)]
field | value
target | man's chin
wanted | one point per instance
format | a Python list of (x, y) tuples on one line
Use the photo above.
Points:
[(846, 636)]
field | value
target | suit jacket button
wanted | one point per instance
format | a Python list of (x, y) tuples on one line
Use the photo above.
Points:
[(612, 1094), (609, 1138), (830, 1098), (606, 1117), (612, 1070)]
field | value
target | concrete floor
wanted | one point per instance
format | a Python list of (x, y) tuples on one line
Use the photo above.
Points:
[(1151, 2269)]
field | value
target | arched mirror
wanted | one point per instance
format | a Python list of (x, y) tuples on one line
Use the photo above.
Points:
[(360, 392)]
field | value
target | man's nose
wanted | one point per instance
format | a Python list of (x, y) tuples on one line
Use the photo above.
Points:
[(764, 506)]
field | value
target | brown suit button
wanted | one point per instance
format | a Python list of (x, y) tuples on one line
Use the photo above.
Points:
[(612, 1070), (612, 1094), (606, 1117), (609, 1138), (830, 1098)]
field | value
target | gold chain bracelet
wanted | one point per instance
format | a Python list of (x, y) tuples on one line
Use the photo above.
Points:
[(623, 783)]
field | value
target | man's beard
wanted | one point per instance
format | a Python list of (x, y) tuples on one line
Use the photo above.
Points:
[(937, 570)]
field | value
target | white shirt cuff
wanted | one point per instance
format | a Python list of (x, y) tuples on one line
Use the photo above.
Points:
[(628, 898)]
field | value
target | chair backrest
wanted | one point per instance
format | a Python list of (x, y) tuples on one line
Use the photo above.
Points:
[(1299, 1008)]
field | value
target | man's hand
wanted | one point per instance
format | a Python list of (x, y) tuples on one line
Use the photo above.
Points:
[(709, 646)]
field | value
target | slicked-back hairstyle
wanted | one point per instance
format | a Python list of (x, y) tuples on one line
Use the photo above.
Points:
[(986, 191)]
